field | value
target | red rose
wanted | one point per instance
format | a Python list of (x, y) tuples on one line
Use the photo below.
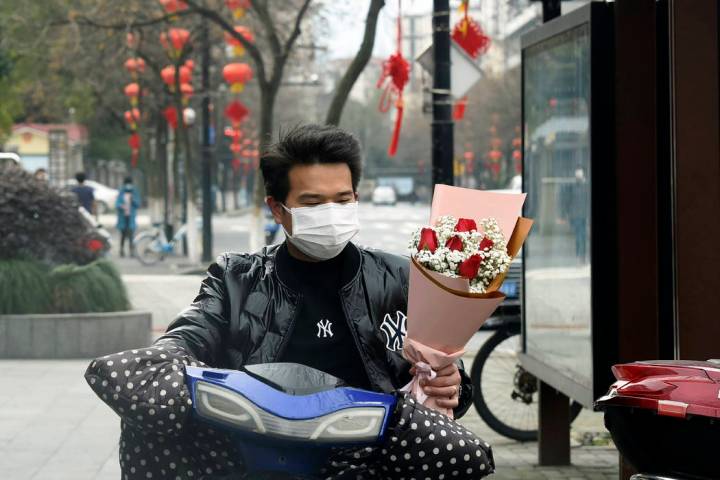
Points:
[(454, 243), (469, 268), (465, 225), (428, 239), (486, 243)]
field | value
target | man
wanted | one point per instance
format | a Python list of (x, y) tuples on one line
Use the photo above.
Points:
[(85, 193), (316, 299)]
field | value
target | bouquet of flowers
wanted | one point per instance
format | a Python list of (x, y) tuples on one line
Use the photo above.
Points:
[(458, 249), (458, 265)]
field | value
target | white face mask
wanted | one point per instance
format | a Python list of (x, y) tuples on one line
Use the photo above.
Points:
[(322, 232)]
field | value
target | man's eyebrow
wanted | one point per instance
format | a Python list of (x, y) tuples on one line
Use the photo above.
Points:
[(310, 196), (346, 192)]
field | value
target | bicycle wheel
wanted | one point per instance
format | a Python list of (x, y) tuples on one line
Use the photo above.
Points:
[(505, 393), (149, 248)]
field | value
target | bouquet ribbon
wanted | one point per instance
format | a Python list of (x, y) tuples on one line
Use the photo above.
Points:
[(427, 362)]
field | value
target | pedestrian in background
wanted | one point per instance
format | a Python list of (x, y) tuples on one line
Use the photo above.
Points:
[(127, 203), (85, 193), (41, 175)]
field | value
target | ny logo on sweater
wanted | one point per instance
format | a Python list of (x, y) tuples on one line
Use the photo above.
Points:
[(324, 328), (394, 330)]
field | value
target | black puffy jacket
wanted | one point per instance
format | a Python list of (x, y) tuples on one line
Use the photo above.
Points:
[(244, 314)]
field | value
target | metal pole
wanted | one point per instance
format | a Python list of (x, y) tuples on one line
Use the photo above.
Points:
[(442, 123), (207, 254)]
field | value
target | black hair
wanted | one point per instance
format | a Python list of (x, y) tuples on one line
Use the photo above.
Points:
[(309, 144), (80, 177), (128, 180)]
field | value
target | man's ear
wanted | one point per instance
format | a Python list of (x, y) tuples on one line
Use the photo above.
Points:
[(276, 208)]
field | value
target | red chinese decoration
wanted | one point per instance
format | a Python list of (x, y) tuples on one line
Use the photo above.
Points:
[(189, 64), (173, 6), (469, 36), (174, 41), (131, 40), (238, 7), (134, 143), (135, 66), (394, 77), (132, 117), (237, 75), (171, 116), (238, 48), (459, 109), (236, 113), (132, 91), (187, 91), (168, 76)]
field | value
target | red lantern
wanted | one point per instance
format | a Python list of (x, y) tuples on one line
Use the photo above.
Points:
[(174, 41), (236, 112), (238, 7), (173, 6), (517, 155), (134, 143), (516, 142), (237, 75), (131, 40), (135, 66), (238, 48), (171, 116), (190, 64), (553, 102), (132, 117), (187, 91), (168, 76), (132, 91), (495, 155)]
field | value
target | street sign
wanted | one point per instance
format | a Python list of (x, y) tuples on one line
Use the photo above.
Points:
[(464, 72)]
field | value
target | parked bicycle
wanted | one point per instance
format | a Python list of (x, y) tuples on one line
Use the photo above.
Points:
[(152, 246), (505, 393)]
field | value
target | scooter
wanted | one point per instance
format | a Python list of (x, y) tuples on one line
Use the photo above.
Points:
[(286, 418), (663, 417)]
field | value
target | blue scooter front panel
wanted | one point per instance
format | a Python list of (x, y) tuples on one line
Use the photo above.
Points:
[(263, 452)]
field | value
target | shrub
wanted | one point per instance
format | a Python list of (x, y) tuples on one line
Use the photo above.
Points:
[(96, 287), (24, 287), (40, 222)]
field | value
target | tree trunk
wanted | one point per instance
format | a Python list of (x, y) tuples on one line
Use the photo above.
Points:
[(357, 66)]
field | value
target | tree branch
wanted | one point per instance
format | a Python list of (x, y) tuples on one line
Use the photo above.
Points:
[(87, 21), (296, 30), (260, 8), (250, 47), (357, 66)]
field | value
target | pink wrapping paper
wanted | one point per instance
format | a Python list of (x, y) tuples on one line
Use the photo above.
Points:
[(417, 353), (477, 204), (442, 313)]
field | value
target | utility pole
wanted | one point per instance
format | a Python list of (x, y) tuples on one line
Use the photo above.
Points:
[(442, 123), (207, 154)]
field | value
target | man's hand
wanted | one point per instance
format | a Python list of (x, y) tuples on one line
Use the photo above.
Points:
[(445, 387)]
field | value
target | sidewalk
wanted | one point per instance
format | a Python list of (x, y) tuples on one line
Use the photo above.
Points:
[(54, 427)]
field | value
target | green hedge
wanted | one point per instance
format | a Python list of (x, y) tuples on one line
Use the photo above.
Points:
[(24, 287), (29, 287)]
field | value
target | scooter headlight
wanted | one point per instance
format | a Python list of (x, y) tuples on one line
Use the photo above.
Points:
[(220, 404), (351, 424)]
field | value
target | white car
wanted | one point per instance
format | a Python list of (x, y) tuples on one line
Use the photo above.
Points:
[(384, 195), (104, 196)]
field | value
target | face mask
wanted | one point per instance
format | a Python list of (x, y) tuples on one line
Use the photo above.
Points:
[(322, 232)]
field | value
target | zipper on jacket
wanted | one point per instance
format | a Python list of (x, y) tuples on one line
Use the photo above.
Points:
[(291, 327), (362, 353)]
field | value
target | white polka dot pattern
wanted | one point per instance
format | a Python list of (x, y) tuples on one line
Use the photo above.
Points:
[(423, 444)]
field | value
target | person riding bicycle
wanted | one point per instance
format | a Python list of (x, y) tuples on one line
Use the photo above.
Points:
[(316, 299)]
